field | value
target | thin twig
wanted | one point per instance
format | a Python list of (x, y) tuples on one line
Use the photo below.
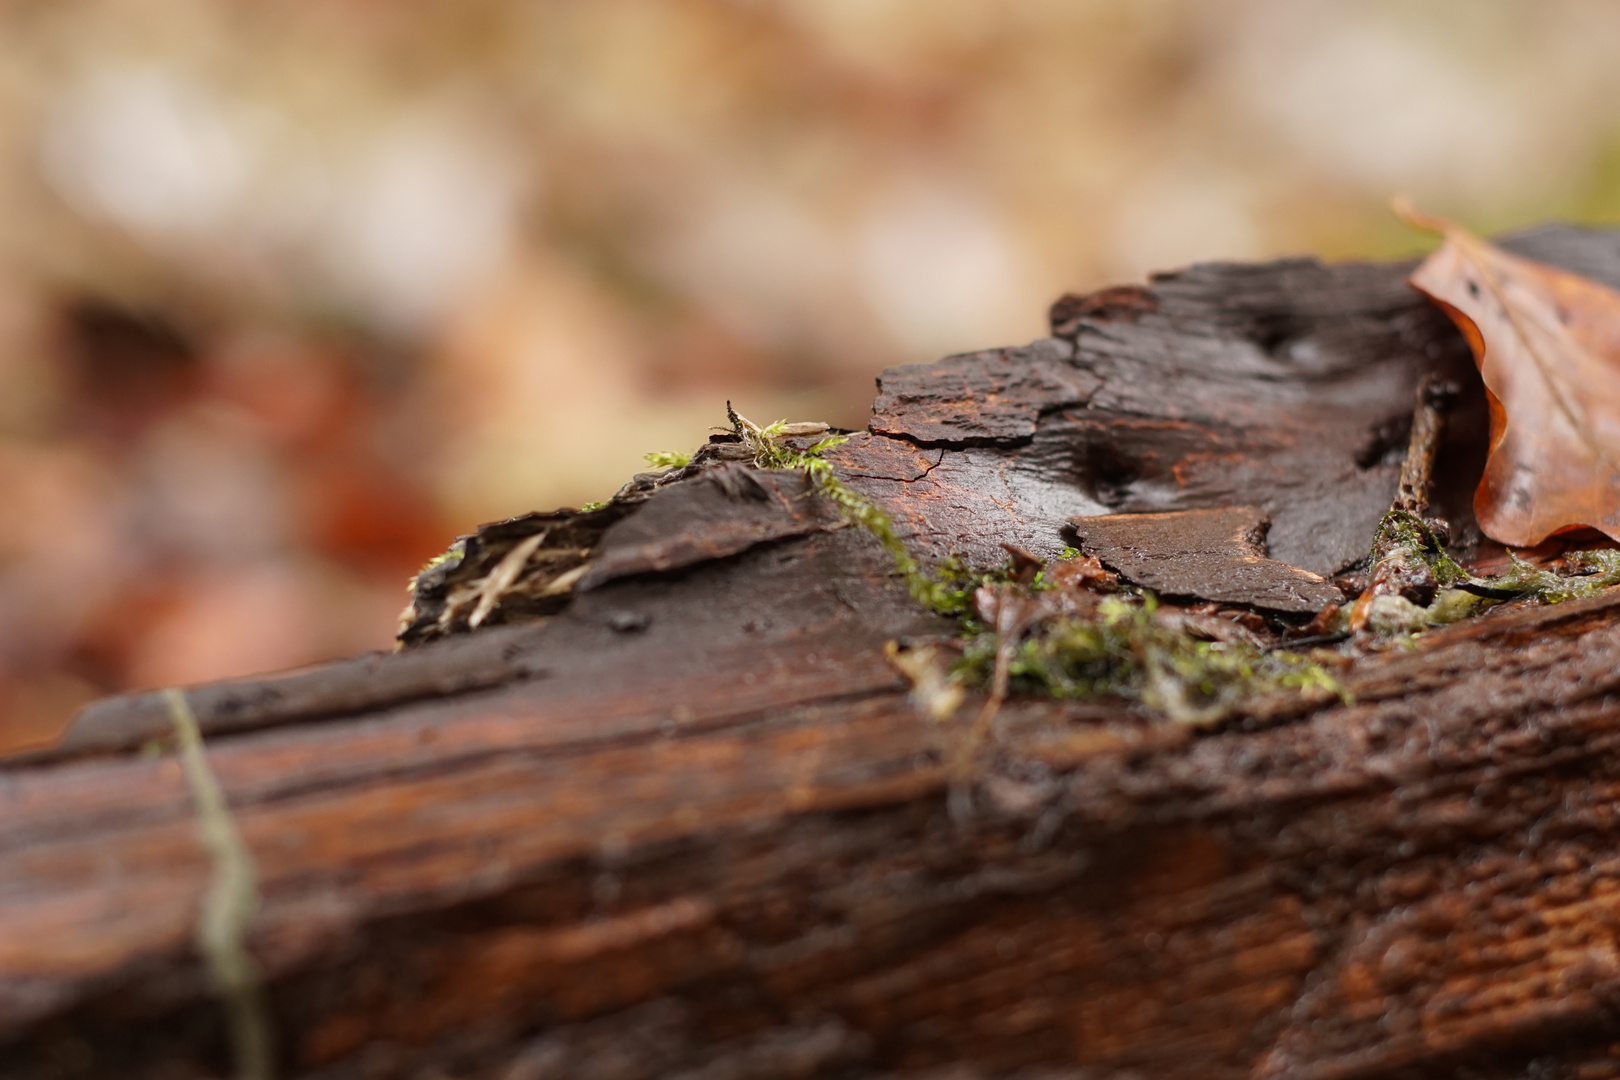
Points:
[(1435, 397), (232, 898)]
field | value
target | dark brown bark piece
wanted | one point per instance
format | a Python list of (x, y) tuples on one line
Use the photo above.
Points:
[(1118, 303), (1217, 555), (1236, 385), (721, 513), (689, 824), (996, 395)]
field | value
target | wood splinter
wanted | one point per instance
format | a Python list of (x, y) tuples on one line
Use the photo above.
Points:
[(1396, 572), (1435, 399)]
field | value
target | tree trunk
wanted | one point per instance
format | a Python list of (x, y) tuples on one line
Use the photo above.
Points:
[(691, 824)]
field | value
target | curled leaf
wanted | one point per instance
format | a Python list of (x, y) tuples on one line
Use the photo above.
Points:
[(1547, 343)]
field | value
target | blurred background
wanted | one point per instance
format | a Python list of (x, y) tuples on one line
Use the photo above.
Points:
[(292, 293)]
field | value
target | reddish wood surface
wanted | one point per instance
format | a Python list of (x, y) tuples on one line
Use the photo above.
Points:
[(691, 826)]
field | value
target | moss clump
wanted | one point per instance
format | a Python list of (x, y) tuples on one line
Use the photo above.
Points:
[(1123, 648), (668, 459), (1590, 571), (1415, 584), (1405, 534)]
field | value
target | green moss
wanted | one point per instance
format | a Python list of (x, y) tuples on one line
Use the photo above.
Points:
[(1454, 605), (1592, 571), (1403, 536), (1125, 651), (668, 459), (948, 597), (1122, 649), (1404, 532), (943, 595)]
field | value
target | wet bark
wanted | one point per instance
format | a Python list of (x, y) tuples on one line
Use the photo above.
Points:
[(685, 821)]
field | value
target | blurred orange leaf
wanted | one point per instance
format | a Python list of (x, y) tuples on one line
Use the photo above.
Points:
[(1547, 343)]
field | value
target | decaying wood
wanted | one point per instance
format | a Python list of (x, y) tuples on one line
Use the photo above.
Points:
[(689, 824), (1216, 555)]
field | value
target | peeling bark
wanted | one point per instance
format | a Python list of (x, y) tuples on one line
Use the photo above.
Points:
[(1216, 555)]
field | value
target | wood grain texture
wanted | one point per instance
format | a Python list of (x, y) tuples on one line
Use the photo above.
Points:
[(691, 826)]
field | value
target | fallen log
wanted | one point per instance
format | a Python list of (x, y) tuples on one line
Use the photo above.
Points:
[(685, 820)]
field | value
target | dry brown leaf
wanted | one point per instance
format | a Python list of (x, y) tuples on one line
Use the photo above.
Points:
[(1547, 343)]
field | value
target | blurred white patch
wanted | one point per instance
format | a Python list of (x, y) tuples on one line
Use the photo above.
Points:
[(762, 264), (426, 211), (894, 36), (147, 149), (1182, 216), (398, 221), (1377, 103), (940, 271)]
